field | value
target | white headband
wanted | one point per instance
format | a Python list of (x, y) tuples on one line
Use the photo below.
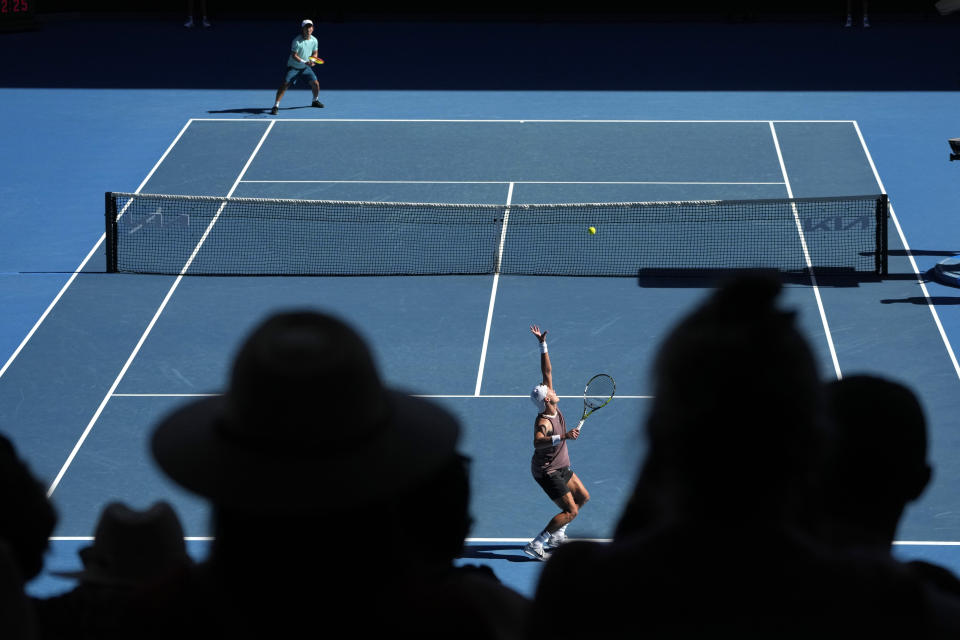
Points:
[(538, 396)]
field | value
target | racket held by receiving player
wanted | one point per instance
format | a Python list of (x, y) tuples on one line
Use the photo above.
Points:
[(598, 394), (316, 60)]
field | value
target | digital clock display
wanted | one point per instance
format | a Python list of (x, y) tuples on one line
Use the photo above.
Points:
[(17, 15), (15, 7)]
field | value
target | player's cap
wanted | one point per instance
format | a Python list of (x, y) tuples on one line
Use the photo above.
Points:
[(538, 396), (305, 23)]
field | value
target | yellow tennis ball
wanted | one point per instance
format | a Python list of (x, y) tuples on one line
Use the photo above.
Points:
[(592, 230)]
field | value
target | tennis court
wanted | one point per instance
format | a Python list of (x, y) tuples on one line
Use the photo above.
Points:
[(104, 354)]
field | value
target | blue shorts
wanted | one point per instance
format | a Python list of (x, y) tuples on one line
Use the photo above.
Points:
[(306, 74)]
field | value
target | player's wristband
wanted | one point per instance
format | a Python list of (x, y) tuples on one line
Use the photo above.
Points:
[(543, 347)]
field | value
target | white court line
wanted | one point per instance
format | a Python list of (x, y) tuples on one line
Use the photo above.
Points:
[(90, 538), (83, 264), (211, 538), (514, 120), (153, 321), (925, 543), (913, 263), (500, 182), (415, 395), (806, 254), (493, 291)]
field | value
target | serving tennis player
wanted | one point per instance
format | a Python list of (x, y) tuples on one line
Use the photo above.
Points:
[(551, 460)]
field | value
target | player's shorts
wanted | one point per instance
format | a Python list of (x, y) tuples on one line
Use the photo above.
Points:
[(555, 484), (306, 74)]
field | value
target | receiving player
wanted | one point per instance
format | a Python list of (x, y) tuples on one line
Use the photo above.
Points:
[(298, 65), (551, 461)]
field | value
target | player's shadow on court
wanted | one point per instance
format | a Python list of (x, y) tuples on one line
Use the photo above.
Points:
[(257, 111), (490, 552), (937, 301), (711, 278)]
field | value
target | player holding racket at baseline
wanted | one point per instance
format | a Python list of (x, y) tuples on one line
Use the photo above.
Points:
[(551, 460), (303, 47)]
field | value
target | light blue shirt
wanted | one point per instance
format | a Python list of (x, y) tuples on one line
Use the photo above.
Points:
[(303, 47)]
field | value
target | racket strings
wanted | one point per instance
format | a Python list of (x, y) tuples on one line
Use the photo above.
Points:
[(599, 391)]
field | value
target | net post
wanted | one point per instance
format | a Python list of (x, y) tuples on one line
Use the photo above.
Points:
[(882, 251), (110, 215)]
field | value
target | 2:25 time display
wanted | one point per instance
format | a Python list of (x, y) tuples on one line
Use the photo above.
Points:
[(14, 6)]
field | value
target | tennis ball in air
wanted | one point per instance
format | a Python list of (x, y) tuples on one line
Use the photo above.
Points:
[(592, 230)]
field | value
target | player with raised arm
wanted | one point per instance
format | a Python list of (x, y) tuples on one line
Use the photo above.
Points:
[(551, 461)]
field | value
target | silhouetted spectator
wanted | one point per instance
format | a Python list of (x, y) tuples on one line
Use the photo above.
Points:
[(27, 518), (337, 503), (865, 11), (26, 521), (877, 467), (192, 13), (736, 434), (17, 616), (131, 551)]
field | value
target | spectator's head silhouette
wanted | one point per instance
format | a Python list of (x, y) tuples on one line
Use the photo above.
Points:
[(305, 425), (26, 516), (735, 427), (307, 436), (878, 459), (314, 468), (133, 548)]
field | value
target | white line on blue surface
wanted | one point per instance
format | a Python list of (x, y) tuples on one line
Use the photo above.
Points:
[(83, 264), (913, 263), (685, 182), (153, 321), (514, 120), (493, 291), (806, 254), (415, 395), (901, 543)]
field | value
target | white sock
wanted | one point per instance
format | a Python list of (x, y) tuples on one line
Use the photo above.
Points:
[(543, 537), (561, 532)]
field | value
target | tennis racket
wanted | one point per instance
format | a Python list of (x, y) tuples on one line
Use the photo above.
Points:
[(598, 394), (316, 60)]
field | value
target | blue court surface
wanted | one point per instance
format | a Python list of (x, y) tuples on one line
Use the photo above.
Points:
[(90, 360)]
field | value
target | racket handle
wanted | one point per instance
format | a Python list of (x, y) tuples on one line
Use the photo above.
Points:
[(581, 424)]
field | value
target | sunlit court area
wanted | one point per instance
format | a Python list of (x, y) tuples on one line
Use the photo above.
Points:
[(448, 321)]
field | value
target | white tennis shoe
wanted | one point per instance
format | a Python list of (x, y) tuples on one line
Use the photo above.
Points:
[(536, 551)]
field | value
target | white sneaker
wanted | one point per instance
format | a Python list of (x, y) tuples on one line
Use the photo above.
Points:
[(536, 551), (189, 23)]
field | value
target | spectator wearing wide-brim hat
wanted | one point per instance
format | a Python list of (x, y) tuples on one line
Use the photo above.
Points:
[(305, 424), (334, 498)]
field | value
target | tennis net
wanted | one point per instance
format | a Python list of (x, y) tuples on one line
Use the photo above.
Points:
[(200, 235)]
